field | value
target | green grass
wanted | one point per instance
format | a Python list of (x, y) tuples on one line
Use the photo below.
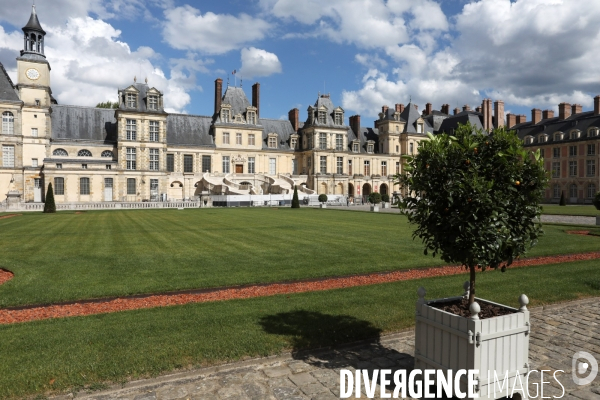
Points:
[(586, 211), (96, 350), (68, 256)]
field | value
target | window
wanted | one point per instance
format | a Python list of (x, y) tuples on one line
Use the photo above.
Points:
[(206, 163), (411, 148), (154, 126), (591, 192), (339, 142), (397, 149), (224, 115), (543, 138), (419, 128), (251, 118), (309, 140), (84, 186), (251, 140), (188, 163), (84, 153), (370, 148), (384, 168), (574, 135), (340, 165), (556, 191), (556, 152), (251, 165), (355, 147), (34, 162), (8, 156), (350, 167), (572, 168), (83, 166), (397, 167), (60, 152), (294, 143), (59, 186), (131, 186), (309, 161), (225, 164), (542, 153), (58, 166), (558, 136), (339, 118), (322, 117), (572, 151), (153, 103), (323, 165), (131, 100), (367, 168), (591, 149), (37, 103), (108, 166), (529, 140), (272, 142), (238, 138), (131, 158), (556, 170), (322, 141), (107, 154), (153, 159), (573, 191), (593, 132), (34, 132), (131, 129), (591, 167), (8, 123), (225, 137), (272, 166), (170, 163)]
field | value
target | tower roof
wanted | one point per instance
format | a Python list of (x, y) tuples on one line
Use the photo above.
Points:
[(34, 23)]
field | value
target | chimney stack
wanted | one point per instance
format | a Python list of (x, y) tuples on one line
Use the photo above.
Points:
[(399, 108), (486, 110), (597, 105), (536, 115), (576, 109), (218, 94), (511, 120), (456, 110), (355, 124), (256, 99), (466, 107), (446, 108), (294, 117), (384, 110), (428, 109), (521, 119), (499, 114), (547, 114), (564, 111)]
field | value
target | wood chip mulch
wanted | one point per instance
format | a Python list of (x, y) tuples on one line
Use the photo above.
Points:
[(584, 233), (9, 216), (5, 276), (31, 313)]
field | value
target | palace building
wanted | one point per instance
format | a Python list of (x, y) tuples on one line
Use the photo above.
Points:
[(138, 152)]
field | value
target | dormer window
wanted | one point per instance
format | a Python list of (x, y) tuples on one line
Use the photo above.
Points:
[(294, 142), (420, 128), (593, 132), (251, 118), (339, 118), (322, 115), (272, 141), (529, 140), (574, 134), (225, 115), (370, 148), (153, 103), (355, 147), (131, 100), (543, 138), (558, 136)]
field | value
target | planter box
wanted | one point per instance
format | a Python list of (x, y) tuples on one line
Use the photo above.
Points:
[(385, 205), (323, 205), (598, 220), (445, 341), (375, 208)]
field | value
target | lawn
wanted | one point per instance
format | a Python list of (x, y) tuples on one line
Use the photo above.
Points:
[(68, 256), (90, 351), (586, 211)]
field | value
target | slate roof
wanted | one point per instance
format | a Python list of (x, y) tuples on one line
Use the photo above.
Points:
[(451, 123), (34, 22), (143, 89), (189, 130), (83, 123), (411, 115), (7, 89), (236, 97), (283, 129), (324, 101), (435, 119), (582, 122)]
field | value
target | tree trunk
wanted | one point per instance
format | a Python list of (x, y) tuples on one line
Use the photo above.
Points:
[(472, 284)]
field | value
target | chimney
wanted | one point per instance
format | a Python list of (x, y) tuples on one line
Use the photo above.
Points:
[(521, 119), (456, 110), (536, 115), (384, 109), (486, 110), (547, 114), (446, 108), (355, 124), (294, 117), (466, 107), (597, 105), (218, 94), (511, 120), (564, 111), (256, 99), (399, 108), (576, 109), (499, 114), (428, 109)]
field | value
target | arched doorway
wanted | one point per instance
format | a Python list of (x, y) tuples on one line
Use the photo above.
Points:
[(383, 189), (350, 190), (176, 191), (366, 189)]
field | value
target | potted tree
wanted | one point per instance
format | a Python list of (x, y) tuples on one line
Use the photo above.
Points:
[(375, 199), (323, 200), (385, 199), (474, 198)]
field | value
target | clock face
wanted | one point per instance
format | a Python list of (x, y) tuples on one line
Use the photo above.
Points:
[(33, 74)]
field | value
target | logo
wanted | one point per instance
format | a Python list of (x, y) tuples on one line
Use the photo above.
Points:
[(580, 368)]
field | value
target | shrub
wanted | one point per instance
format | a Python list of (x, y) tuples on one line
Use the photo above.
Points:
[(385, 198), (474, 197), (295, 201), (563, 201), (322, 198), (49, 205), (597, 201), (375, 198)]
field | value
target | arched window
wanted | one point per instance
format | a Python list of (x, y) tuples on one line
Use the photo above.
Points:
[(84, 153), (558, 136), (591, 192), (574, 134), (8, 123), (573, 191), (107, 154), (528, 139), (60, 152)]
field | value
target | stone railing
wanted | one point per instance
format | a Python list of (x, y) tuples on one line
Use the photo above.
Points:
[(102, 206)]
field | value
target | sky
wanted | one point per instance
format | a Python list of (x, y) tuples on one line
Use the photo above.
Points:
[(364, 53)]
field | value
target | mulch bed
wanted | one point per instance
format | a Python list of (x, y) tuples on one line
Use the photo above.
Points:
[(10, 216), (584, 233), (100, 306), (461, 308), (5, 275)]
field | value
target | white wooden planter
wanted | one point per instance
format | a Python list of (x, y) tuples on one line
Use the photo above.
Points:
[(323, 205), (375, 208), (598, 220), (445, 341)]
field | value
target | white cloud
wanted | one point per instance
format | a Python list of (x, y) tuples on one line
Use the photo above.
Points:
[(257, 62), (187, 29)]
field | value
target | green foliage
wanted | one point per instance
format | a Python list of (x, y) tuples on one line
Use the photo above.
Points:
[(375, 198), (475, 197), (108, 104), (295, 201), (49, 205), (385, 198), (597, 201), (322, 198), (563, 201)]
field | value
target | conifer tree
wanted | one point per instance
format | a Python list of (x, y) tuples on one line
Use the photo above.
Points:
[(295, 201), (49, 205), (563, 201)]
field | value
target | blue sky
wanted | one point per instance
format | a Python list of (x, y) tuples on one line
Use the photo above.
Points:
[(365, 53)]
